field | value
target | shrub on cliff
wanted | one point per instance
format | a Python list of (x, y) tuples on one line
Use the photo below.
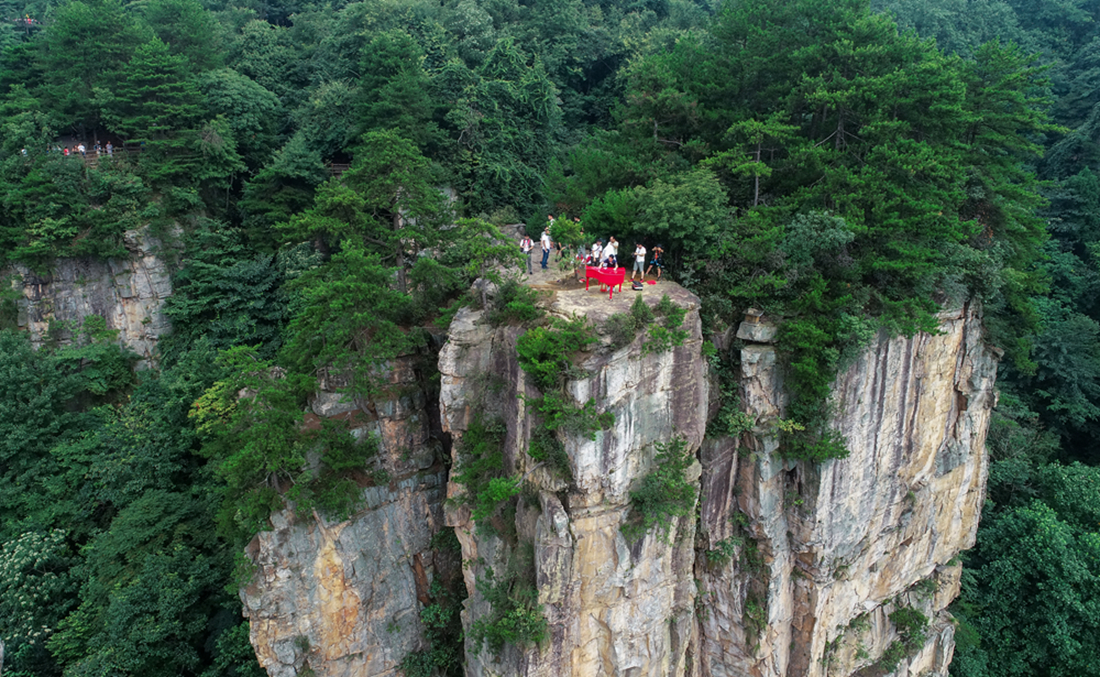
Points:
[(664, 494), (515, 616), (514, 302)]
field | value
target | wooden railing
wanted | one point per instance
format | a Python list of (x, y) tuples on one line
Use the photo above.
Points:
[(91, 158)]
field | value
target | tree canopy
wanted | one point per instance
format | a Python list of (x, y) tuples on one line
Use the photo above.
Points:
[(335, 176)]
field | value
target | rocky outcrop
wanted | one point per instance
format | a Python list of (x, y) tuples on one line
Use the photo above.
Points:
[(614, 607), (784, 568), (822, 554), (343, 599), (127, 293)]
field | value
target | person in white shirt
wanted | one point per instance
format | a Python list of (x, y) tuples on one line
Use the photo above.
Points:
[(526, 245), (547, 245), (611, 253), (639, 262), (594, 253)]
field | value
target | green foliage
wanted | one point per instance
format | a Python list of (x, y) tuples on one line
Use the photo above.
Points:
[(349, 319), (187, 29), (663, 494), (516, 617), (56, 207), (723, 551), (1028, 585), (640, 311), (234, 655), (514, 302), (395, 89), (495, 492), (622, 328), (36, 590), (545, 447), (443, 631), (227, 294), (481, 469), (253, 112), (254, 432), (154, 103), (668, 334), (911, 626), (559, 413), (811, 342), (546, 353), (755, 617)]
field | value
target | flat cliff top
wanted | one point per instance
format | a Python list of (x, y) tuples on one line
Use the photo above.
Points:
[(569, 297)]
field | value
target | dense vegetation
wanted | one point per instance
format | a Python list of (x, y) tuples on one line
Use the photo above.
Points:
[(1029, 603), (805, 157)]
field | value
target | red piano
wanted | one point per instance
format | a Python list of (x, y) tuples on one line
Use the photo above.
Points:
[(608, 276)]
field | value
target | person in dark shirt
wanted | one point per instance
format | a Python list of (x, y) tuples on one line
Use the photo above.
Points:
[(658, 261)]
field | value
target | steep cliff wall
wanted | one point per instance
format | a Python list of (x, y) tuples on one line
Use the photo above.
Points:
[(789, 569), (343, 599), (835, 548), (613, 607), (128, 293)]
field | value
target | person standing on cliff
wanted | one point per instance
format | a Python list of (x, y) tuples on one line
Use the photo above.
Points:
[(547, 245), (527, 245), (639, 261), (611, 253), (658, 261)]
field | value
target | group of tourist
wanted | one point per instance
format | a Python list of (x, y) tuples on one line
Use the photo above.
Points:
[(600, 254), (78, 149), (82, 150)]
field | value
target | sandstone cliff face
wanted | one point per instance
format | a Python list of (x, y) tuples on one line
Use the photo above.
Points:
[(343, 599), (128, 293), (841, 545), (791, 569), (613, 607)]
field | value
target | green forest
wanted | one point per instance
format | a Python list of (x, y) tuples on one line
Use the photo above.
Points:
[(849, 166)]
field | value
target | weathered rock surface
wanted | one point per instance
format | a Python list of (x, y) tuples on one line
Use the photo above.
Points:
[(613, 607), (344, 599), (835, 547), (128, 293), (794, 572)]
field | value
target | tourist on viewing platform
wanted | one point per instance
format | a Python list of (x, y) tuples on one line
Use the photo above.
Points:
[(639, 261), (547, 244), (98, 149), (110, 149), (611, 254), (594, 254), (66, 151), (526, 245), (657, 261), (83, 151)]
